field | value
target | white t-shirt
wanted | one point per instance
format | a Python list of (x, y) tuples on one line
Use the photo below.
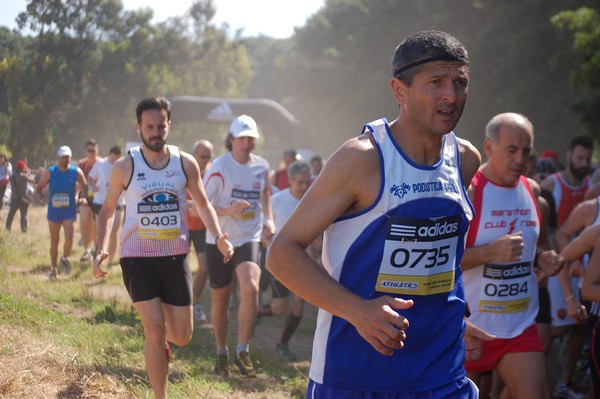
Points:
[(227, 181), (100, 173), (283, 203)]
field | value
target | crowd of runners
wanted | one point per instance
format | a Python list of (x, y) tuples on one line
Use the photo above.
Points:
[(448, 273)]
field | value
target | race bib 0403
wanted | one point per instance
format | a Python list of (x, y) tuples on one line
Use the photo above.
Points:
[(419, 256), (159, 219)]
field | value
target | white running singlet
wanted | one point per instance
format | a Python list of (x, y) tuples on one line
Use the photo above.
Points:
[(503, 297), (155, 217), (100, 172)]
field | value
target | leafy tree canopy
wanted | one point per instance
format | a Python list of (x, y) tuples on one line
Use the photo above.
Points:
[(584, 25), (85, 64)]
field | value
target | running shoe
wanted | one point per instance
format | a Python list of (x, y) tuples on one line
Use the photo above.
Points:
[(85, 257), (53, 274), (245, 365), (566, 391), (222, 365), (284, 351), (65, 265), (199, 314)]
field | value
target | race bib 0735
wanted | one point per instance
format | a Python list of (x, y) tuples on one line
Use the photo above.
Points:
[(419, 256)]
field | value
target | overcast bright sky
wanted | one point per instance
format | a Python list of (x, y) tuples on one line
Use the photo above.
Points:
[(275, 18)]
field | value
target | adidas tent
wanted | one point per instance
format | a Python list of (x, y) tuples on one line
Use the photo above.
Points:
[(272, 118)]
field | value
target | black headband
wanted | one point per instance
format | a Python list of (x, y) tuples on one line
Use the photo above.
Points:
[(431, 59)]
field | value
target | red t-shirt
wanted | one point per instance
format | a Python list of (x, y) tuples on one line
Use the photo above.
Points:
[(194, 222), (282, 180)]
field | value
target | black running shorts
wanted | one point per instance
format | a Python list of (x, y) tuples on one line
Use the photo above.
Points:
[(544, 314), (198, 238), (166, 277), (220, 274)]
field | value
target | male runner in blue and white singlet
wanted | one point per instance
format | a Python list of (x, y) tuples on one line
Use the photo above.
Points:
[(393, 205)]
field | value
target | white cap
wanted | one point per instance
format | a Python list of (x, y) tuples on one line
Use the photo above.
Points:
[(64, 151), (243, 126)]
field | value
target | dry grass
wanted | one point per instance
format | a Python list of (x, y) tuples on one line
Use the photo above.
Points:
[(86, 358), (76, 338), (34, 368)]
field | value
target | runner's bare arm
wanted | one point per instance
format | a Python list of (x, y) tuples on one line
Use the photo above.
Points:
[(268, 223), (43, 182), (205, 208), (81, 182), (584, 242), (120, 175), (590, 289), (507, 248)]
